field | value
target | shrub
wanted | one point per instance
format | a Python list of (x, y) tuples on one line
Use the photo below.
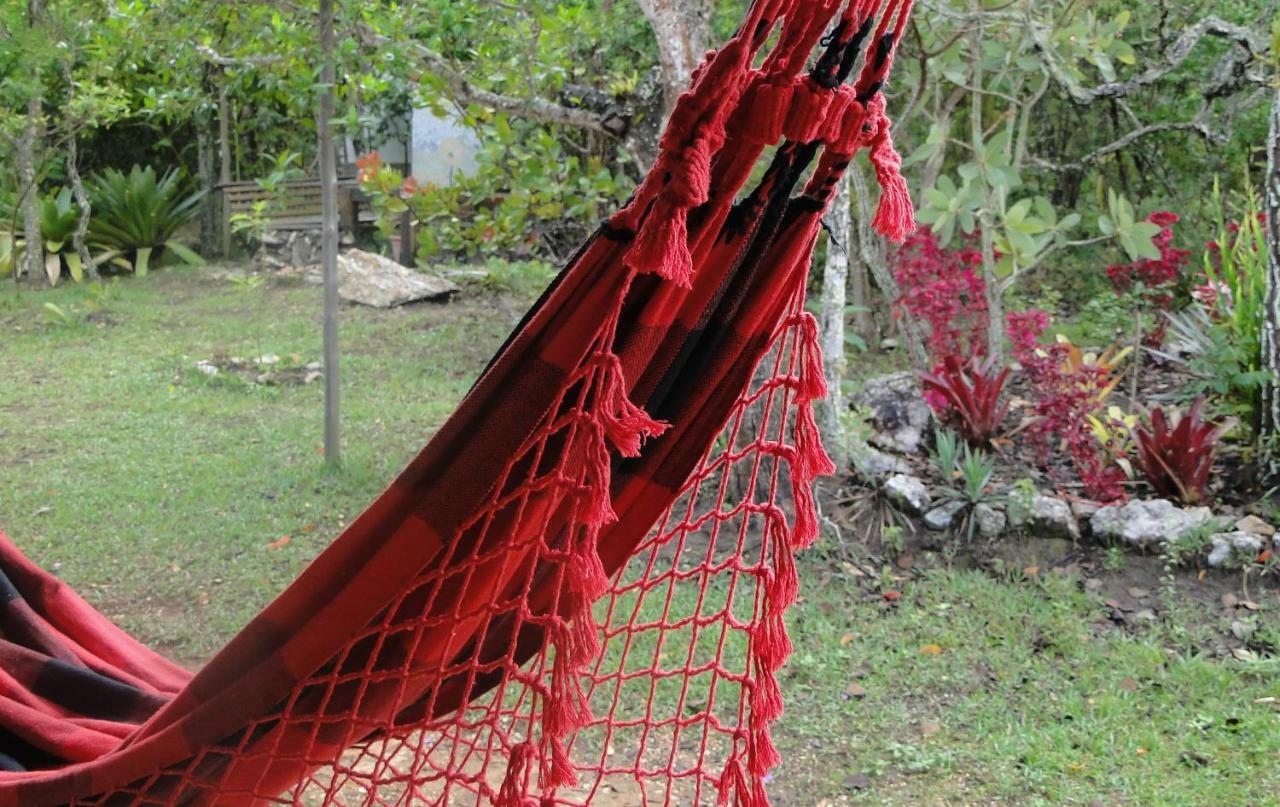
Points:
[(1067, 393), (529, 197), (135, 214), (1176, 452), (967, 395), (59, 216), (943, 288), (1154, 280)]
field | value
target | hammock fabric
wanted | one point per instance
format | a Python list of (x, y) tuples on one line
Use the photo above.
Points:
[(576, 591)]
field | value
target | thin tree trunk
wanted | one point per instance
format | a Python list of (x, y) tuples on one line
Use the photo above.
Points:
[(224, 164), (995, 296), (86, 209), (872, 256), (682, 29), (329, 236), (77, 188), (29, 144), (835, 279), (1270, 453)]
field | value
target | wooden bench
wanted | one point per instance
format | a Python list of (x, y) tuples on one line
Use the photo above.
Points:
[(296, 207)]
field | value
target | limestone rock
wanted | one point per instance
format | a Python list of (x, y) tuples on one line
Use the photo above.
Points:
[(1147, 523), (1049, 517), (1232, 549), (899, 414), (991, 522), (908, 493), (872, 463), (941, 518), (380, 282), (1255, 526)]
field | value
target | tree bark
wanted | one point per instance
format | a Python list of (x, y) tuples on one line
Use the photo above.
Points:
[(872, 255), (329, 235), (835, 279), (82, 201), (1270, 442), (682, 29), (28, 148)]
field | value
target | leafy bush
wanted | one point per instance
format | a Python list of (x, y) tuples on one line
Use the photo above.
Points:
[(1067, 390), (59, 216), (529, 197), (942, 288), (1153, 281), (136, 213), (967, 395), (1176, 452)]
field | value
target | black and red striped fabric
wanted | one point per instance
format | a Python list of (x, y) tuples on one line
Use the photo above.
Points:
[(472, 637)]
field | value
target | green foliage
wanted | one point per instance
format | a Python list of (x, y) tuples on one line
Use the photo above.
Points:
[(1236, 268), (59, 218), (530, 196), (136, 213), (59, 215)]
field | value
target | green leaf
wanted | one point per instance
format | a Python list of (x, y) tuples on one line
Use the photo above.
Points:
[(184, 252), (1018, 211), (142, 263)]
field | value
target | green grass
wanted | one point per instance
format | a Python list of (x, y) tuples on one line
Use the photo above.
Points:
[(157, 492), (1010, 692)]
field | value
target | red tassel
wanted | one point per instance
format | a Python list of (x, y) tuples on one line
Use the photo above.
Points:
[(513, 784), (732, 788), (626, 424), (662, 247), (895, 216), (813, 377), (805, 533), (812, 460), (763, 755)]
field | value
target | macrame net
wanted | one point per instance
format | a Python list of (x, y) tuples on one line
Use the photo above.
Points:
[(598, 619)]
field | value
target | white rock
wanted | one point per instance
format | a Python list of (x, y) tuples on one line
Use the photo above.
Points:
[(1234, 548), (909, 493), (941, 518), (1255, 526), (1147, 523), (899, 414), (871, 463), (1049, 517), (380, 282), (991, 522)]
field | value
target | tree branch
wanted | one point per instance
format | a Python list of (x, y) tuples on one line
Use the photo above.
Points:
[(1254, 43), (464, 92)]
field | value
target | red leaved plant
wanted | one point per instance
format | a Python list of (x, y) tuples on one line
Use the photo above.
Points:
[(1176, 452), (967, 394)]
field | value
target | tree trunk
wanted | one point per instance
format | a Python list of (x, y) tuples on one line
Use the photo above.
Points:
[(835, 278), (224, 164), (682, 29), (86, 209), (872, 257), (77, 187), (1270, 442), (329, 234), (29, 145)]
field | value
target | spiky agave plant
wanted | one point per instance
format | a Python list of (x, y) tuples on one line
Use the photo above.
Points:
[(138, 213)]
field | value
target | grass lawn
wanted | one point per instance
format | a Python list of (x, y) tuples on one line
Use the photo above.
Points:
[(164, 496)]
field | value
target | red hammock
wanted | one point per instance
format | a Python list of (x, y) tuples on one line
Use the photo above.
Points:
[(578, 586)]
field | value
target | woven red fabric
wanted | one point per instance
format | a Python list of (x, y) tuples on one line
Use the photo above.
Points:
[(578, 587)]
